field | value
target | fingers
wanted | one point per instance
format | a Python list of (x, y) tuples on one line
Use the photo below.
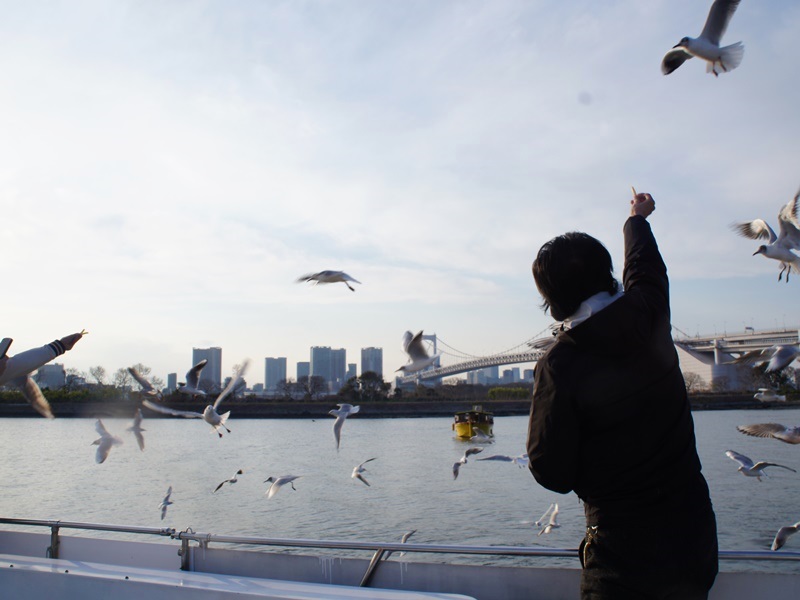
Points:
[(69, 341)]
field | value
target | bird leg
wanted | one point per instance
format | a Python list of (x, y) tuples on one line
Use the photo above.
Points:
[(291, 483), (352, 289)]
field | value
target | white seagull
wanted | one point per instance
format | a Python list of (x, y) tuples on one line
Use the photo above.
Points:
[(232, 479), (480, 437), (136, 428), (30, 390), (778, 247), (520, 460), (165, 503), (553, 523), (344, 411), (706, 45), (776, 357), (538, 522), (463, 459), (210, 414), (750, 469), (768, 395), (790, 435), (147, 387), (357, 471), (278, 483), (403, 540), (783, 534), (104, 443), (418, 357), (193, 380), (329, 277)]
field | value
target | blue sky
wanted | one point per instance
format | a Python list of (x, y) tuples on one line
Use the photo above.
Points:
[(170, 168)]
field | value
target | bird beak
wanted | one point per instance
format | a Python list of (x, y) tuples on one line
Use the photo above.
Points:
[(757, 252)]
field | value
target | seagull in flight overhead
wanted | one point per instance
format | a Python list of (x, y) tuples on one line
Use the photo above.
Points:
[(521, 460), (750, 469), (418, 357), (778, 247), (136, 428), (232, 479), (706, 45), (553, 523), (357, 471), (776, 357), (104, 443), (210, 414), (165, 503), (790, 435), (147, 387), (329, 277), (278, 483), (783, 534), (538, 522), (769, 395), (344, 411), (463, 459), (193, 380)]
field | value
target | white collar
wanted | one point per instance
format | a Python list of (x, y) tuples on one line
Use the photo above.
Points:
[(590, 306)]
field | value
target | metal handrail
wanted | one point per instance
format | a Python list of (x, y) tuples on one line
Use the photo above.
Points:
[(381, 550)]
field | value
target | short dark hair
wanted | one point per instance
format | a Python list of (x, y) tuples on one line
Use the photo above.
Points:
[(569, 269)]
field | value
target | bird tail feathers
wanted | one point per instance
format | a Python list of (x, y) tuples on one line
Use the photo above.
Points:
[(730, 57)]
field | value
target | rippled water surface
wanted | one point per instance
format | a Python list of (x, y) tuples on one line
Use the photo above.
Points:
[(49, 472)]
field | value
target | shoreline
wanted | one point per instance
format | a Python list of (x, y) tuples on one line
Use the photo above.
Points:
[(385, 409)]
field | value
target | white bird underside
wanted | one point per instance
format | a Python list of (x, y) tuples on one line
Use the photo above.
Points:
[(750, 469), (418, 357), (278, 483), (104, 443), (357, 472), (784, 533)]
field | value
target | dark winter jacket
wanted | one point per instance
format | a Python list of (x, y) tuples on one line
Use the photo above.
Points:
[(610, 417)]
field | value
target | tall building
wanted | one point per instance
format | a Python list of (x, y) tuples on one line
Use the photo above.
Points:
[(330, 364), (338, 368), (351, 372), (274, 372), (372, 360), (211, 375), (303, 370), (51, 376), (172, 382)]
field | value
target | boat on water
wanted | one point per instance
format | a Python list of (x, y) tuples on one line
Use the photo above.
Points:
[(37, 560), (466, 422)]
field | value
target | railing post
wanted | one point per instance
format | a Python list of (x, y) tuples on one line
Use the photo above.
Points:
[(52, 550)]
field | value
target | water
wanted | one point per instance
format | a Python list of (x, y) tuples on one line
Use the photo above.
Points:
[(49, 472)]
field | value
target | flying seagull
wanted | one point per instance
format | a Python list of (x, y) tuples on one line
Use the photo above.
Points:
[(783, 534), (706, 45), (136, 428), (776, 357), (104, 443), (750, 469), (193, 380), (769, 395), (418, 357), (463, 459), (147, 387), (278, 483), (778, 247), (210, 414), (553, 523), (403, 540), (232, 479), (541, 519), (520, 460), (344, 411), (165, 503), (357, 472), (790, 435), (30, 390), (329, 277)]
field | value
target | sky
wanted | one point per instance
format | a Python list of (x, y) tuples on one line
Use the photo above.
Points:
[(169, 168)]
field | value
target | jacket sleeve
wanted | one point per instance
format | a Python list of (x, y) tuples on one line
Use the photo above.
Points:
[(645, 271), (553, 432), (28, 361)]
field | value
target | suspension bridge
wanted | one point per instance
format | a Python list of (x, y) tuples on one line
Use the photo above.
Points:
[(461, 362)]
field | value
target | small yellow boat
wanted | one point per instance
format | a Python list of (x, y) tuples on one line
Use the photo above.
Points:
[(467, 422)]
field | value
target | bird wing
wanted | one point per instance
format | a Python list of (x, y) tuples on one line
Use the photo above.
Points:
[(757, 229), (501, 457), (233, 383), (753, 357), (360, 477), (347, 277), (783, 534), (407, 535), (674, 59), (193, 374), (100, 428), (541, 519), (740, 458), (789, 224), (171, 411), (456, 469), (307, 277), (783, 357), (359, 467), (30, 390), (407, 337), (764, 430), (146, 385), (337, 430), (718, 18), (416, 349), (554, 515), (471, 451), (763, 465), (139, 439)]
